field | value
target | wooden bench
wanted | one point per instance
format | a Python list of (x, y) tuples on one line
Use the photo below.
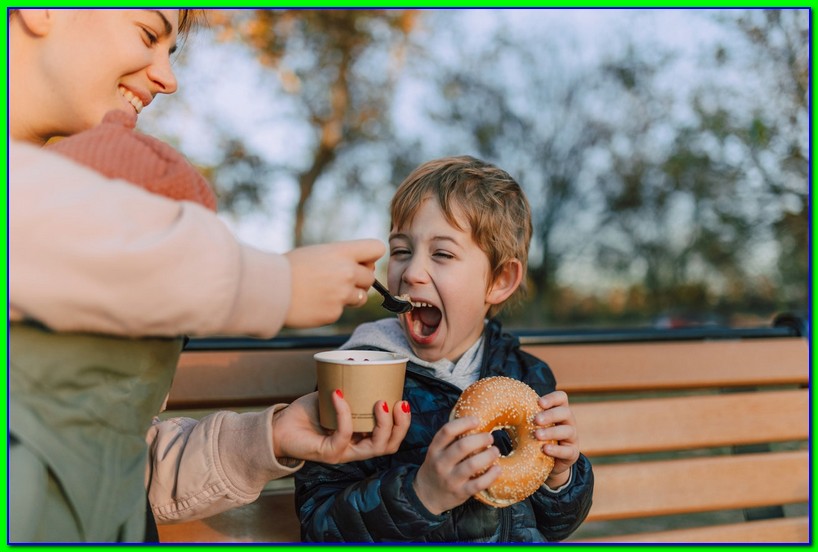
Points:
[(695, 436)]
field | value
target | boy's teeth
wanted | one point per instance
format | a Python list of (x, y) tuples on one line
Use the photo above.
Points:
[(135, 102), (420, 304)]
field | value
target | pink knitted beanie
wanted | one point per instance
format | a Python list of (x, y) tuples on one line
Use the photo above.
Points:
[(116, 150)]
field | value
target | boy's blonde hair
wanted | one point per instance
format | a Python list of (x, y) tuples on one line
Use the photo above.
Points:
[(486, 198)]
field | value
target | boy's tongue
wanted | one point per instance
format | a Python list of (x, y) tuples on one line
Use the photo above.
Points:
[(425, 320)]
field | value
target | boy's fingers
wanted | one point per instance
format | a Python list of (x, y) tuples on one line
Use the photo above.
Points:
[(455, 428), (482, 482)]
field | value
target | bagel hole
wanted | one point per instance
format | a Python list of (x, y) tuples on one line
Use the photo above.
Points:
[(505, 439)]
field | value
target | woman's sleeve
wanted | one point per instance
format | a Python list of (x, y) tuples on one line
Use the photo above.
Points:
[(200, 468), (87, 253)]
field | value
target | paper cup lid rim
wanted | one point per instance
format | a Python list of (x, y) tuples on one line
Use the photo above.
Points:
[(342, 355)]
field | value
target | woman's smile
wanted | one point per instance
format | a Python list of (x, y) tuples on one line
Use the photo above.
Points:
[(135, 102)]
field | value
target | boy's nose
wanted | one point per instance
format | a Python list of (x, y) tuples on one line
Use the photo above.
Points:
[(415, 271)]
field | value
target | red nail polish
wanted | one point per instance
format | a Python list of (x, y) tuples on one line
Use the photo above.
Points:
[(405, 406), (339, 393), (385, 407)]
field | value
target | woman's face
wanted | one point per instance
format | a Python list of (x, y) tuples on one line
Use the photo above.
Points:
[(97, 60)]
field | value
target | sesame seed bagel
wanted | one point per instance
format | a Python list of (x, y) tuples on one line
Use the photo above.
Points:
[(504, 403)]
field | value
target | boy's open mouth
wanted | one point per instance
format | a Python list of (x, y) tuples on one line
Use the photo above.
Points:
[(423, 322)]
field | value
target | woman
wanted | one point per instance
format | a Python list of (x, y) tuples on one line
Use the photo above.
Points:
[(95, 263)]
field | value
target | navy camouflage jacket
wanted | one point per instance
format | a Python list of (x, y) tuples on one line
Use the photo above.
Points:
[(374, 501)]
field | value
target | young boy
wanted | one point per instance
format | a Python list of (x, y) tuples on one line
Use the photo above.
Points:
[(458, 247)]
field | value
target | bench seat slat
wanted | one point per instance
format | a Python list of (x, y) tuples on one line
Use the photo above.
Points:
[(271, 518), (794, 529), (676, 365), (699, 485), (679, 423)]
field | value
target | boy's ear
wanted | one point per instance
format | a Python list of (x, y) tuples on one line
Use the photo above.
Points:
[(36, 21), (506, 282)]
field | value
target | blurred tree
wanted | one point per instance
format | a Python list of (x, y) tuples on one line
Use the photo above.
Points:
[(734, 173), (530, 114), (339, 66), (778, 136), (679, 188), (664, 191)]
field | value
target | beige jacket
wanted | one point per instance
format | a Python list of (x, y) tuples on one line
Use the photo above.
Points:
[(198, 469), (132, 263)]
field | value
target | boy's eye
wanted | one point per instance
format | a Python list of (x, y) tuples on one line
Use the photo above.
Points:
[(398, 252)]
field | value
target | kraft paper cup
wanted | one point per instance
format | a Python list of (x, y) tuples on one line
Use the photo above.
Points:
[(364, 377)]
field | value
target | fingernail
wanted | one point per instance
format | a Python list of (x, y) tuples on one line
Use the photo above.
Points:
[(385, 407), (339, 393), (405, 406)]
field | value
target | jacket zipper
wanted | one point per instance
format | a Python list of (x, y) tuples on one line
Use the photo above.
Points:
[(505, 513), (505, 525)]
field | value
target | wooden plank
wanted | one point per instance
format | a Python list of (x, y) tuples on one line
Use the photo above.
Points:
[(271, 518), (654, 488), (259, 377), (251, 377), (679, 423), (765, 531), (676, 365)]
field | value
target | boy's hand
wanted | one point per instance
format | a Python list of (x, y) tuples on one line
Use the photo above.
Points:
[(298, 434), (453, 470), (564, 431)]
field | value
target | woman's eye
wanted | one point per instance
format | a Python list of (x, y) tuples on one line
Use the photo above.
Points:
[(444, 255), (150, 37), (398, 252)]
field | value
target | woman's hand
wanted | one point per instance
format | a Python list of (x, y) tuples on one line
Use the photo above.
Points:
[(564, 431), (298, 434), (326, 278), (456, 468)]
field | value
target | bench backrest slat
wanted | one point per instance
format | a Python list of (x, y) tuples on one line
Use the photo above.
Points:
[(699, 484), (259, 377), (690, 422), (676, 365)]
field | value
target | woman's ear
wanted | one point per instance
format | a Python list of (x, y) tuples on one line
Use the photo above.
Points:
[(506, 282), (36, 21)]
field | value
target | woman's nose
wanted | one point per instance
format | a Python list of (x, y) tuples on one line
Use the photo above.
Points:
[(161, 74)]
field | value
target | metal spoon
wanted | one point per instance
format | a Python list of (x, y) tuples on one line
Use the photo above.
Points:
[(390, 302)]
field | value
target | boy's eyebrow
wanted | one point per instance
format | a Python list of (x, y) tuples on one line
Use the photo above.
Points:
[(398, 235), (167, 25)]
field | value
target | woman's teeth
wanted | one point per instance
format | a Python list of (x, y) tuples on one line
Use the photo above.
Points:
[(134, 101), (418, 304)]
